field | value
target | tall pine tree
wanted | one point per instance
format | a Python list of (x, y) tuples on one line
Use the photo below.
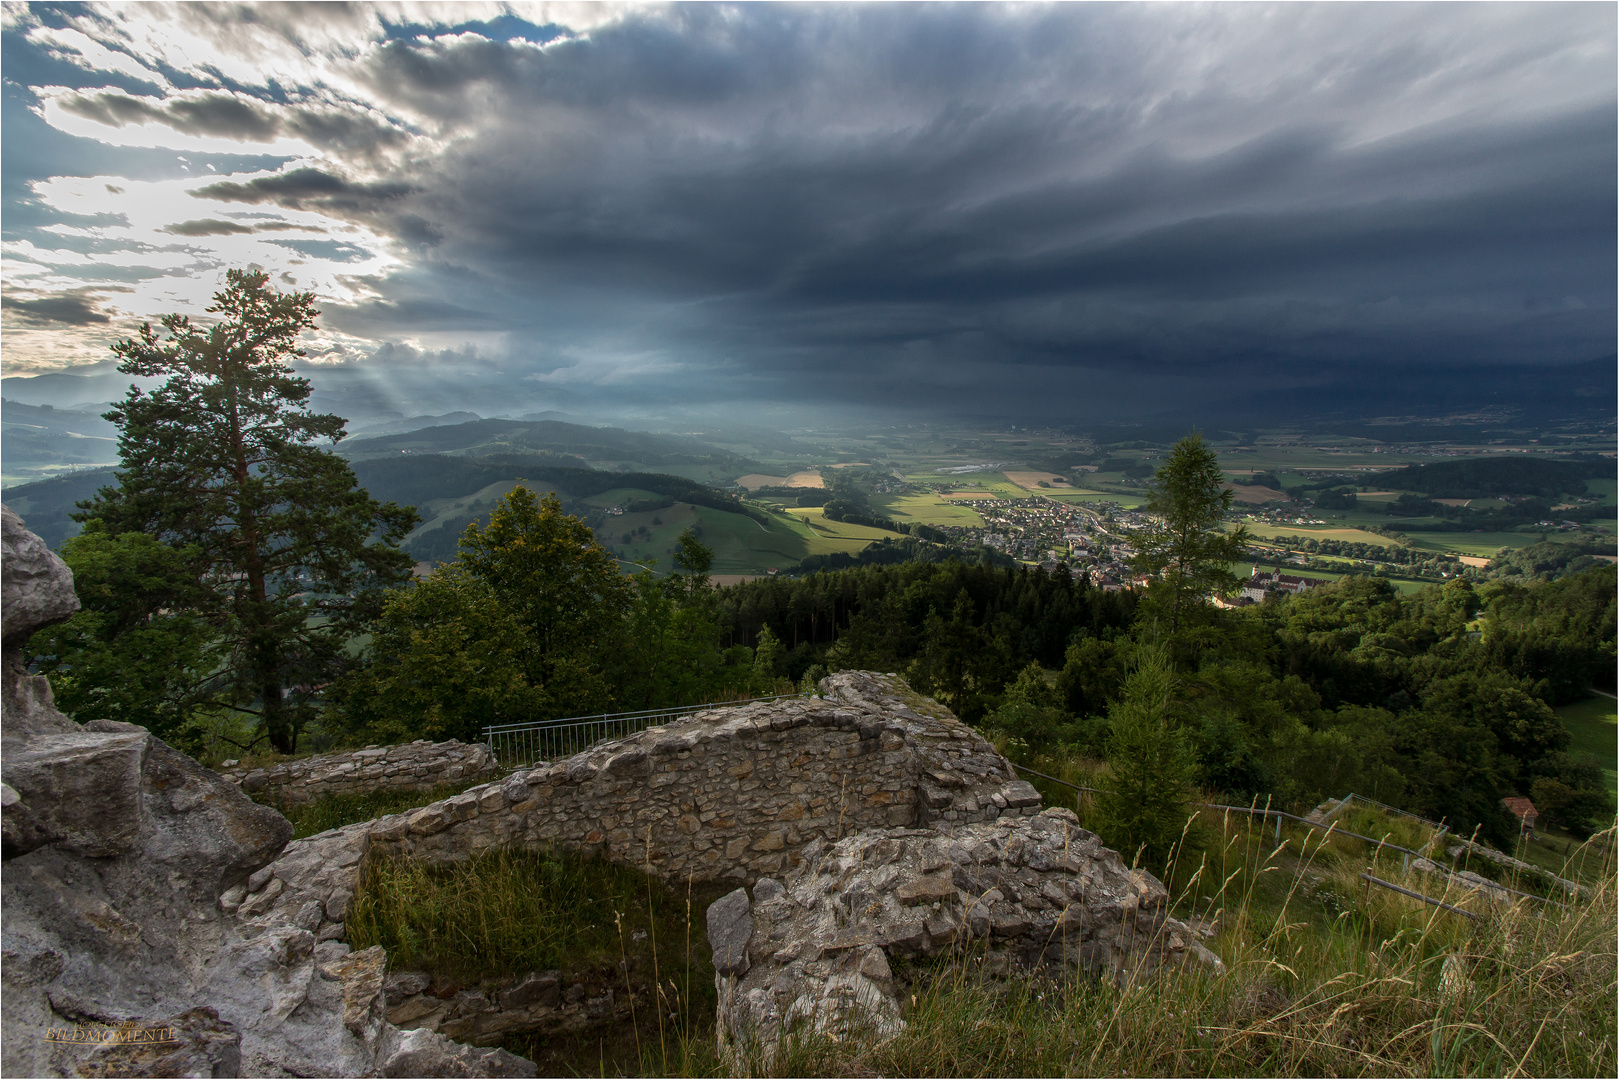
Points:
[(1183, 545), (226, 459)]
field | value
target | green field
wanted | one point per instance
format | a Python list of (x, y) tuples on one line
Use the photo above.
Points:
[(991, 481), (1473, 543), (836, 535), (1316, 532), (1594, 723), (740, 544), (927, 510)]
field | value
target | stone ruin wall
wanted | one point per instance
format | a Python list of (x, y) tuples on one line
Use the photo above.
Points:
[(728, 795), (732, 794), (415, 766)]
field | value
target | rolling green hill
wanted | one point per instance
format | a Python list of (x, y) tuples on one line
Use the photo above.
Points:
[(602, 447), (46, 504)]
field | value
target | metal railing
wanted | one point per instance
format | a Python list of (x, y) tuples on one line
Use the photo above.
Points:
[(532, 742), (1439, 827), (1257, 811)]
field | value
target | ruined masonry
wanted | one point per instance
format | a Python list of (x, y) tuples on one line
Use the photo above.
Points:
[(415, 766), (812, 951), (734, 793), (870, 823)]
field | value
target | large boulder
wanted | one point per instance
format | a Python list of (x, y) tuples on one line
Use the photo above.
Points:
[(36, 590), (36, 587), (1025, 893)]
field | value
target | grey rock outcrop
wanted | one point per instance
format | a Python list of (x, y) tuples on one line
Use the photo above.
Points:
[(36, 587), (118, 849), (1027, 892)]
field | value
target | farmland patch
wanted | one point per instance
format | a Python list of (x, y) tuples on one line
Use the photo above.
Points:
[(1031, 481), (928, 510), (807, 478), (1255, 494)]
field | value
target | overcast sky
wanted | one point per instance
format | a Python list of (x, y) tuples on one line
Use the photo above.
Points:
[(1060, 209)]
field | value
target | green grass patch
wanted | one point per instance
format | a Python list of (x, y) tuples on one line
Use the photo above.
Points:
[(1594, 725), (928, 510), (1474, 543), (503, 913), (335, 811), (740, 544), (1324, 976), (1264, 529), (506, 912)]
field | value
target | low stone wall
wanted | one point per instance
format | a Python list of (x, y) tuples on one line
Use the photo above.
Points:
[(727, 795), (537, 1003), (1021, 893), (416, 766), (1530, 869), (732, 794)]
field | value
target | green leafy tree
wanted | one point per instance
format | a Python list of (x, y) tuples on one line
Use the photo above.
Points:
[(1029, 710), (226, 461), (560, 584), (1524, 726), (137, 651), (1183, 545), (1144, 802), (671, 652), (531, 620), (447, 659)]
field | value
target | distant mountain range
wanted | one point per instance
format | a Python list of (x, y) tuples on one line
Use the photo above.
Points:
[(38, 438), (430, 464)]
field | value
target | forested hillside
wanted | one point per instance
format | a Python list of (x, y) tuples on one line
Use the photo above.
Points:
[(597, 445), (1439, 702), (421, 479), (1484, 477)]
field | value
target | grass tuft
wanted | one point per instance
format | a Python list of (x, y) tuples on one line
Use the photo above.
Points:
[(505, 912), (335, 811), (1325, 976)]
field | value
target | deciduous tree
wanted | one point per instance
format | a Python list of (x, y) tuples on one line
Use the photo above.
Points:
[(139, 650)]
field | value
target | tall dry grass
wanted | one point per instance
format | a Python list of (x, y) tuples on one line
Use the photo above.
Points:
[(1326, 975)]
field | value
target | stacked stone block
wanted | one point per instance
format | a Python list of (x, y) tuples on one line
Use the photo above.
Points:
[(733, 793), (416, 766)]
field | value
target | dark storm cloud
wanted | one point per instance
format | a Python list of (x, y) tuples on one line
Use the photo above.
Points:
[(958, 202), (208, 227), (346, 131), (850, 190), (307, 189), (67, 309)]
